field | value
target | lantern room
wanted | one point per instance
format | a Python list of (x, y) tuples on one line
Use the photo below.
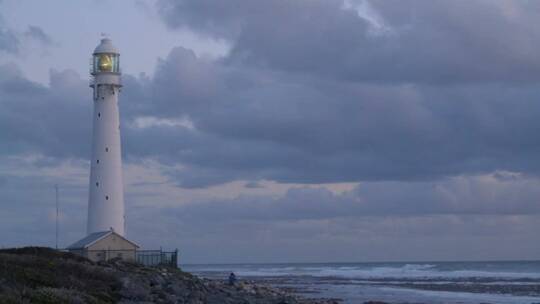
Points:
[(106, 58)]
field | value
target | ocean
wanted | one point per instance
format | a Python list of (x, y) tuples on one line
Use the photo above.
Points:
[(515, 282)]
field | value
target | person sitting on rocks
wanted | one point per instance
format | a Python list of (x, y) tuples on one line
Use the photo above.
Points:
[(232, 279)]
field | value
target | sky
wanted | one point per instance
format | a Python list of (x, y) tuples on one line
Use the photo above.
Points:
[(282, 131)]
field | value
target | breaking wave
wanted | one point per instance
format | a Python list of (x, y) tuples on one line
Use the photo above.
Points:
[(361, 271)]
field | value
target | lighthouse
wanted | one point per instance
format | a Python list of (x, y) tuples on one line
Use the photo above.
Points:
[(106, 194), (105, 228)]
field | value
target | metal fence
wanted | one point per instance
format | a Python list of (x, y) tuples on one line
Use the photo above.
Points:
[(157, 257), (150, 258)]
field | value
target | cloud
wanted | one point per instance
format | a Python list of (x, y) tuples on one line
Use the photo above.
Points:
[(9, 43), (36, 33), (36, 119), (28, 197), (475, 195), (259, 124), (457, 217), (253, 185), (216, 121), (435, 42), (213, 122)]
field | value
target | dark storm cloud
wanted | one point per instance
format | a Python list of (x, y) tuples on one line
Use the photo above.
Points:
[(41, 119), (251, 124), (318, 126), (255, 123), (422, 41), (260, 124)]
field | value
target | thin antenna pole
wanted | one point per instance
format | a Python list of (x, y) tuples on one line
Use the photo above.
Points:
[(56, 188)]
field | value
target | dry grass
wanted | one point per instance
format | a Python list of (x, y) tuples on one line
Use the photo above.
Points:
[(44, 275)]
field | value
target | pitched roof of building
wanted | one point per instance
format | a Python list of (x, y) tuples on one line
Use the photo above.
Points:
[(89, 239), (94, 237)]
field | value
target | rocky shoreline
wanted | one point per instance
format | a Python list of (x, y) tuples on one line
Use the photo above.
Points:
[(43, 275), (485, 285)]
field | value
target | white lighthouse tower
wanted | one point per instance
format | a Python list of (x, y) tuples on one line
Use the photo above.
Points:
[(106, 198), (106, 231)]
